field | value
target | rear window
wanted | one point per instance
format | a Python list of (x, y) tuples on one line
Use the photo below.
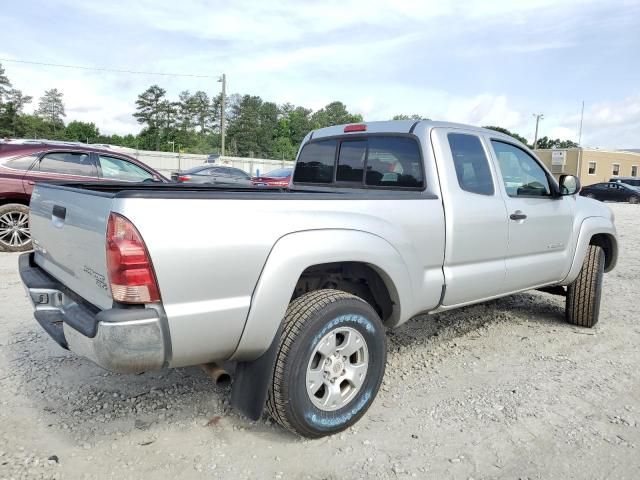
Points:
[(316, 162), (394, 162), (70, 163), (375, 161), (351, 161)]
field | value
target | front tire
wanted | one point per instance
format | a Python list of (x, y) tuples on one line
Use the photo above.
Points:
[(15, 235), (330, 364), (634, 199), (583, 295)]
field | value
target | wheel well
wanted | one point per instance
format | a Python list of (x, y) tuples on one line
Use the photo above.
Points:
[(359, 279), (603, 240), (7, 201)]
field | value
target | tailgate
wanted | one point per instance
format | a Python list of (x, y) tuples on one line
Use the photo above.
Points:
[(68, 227)]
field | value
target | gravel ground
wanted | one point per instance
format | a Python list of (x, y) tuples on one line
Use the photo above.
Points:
[(501, 390)]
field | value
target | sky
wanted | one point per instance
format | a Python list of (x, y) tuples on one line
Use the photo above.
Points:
[(480, 62)]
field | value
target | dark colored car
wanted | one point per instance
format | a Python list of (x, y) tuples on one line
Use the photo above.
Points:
[(214, 175), (274, 178), (612, 191), (213, 158), (633, 181), (22, 164)]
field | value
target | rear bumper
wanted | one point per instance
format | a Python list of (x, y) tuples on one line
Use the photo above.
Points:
[(120, 340)]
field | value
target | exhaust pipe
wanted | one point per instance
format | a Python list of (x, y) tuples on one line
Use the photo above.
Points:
[(219, 375)]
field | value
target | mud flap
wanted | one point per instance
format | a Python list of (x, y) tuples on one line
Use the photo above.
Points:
[(252, 381)]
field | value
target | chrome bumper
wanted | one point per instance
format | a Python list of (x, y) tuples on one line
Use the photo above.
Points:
[(120, 340)]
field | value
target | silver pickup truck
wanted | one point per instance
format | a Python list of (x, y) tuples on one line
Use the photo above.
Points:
[(296, 287)]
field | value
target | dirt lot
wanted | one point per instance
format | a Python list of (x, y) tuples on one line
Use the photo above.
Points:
[(502, 390)]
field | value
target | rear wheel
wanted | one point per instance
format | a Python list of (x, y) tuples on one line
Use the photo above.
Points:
[(330, 364), (583, 295), (14, 228)]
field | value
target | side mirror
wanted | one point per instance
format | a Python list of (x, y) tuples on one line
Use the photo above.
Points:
[(569, 185)]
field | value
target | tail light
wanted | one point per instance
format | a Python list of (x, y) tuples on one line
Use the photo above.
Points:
[(129, 267), (184, 178)]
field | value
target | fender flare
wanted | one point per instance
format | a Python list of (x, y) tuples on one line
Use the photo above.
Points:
[(592, 226), (295, 252)]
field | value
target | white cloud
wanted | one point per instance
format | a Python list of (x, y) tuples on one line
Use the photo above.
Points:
[(444, 59)]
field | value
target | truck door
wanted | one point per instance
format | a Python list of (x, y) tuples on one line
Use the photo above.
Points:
[(475, 215), (540, 224)]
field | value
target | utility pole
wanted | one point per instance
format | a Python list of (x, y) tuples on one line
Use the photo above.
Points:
[(579, 172), (535, 138), (223, 79)]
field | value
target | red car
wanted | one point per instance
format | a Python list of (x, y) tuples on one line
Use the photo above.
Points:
[(274, 178), (23, 163)]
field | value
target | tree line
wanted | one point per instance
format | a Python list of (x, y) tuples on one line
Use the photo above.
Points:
[(191, 122)]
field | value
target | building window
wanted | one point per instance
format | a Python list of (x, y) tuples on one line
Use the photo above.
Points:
[(634, 170), (592, 168), (616, 169)]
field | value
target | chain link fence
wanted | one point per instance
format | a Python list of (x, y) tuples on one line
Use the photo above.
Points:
[(167, 162)]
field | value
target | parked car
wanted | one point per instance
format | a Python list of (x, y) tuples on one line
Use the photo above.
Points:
[(274, 178), (212, 158), (22, 164), (633, 181), (383, 221), (213, 175), (612, 191)]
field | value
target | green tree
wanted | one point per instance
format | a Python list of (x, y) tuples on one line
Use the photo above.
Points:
[(545, 143), (5, 85), (77, 131), (33, 126), (244, 126), (334, 113), (148, 112), (11, 110), (415, 116), (51, 108), (520, 138)]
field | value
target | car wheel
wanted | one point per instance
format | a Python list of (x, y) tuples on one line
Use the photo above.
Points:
[(583, 295), (589, 195), (634, 199), (330, 364), (14, 228)]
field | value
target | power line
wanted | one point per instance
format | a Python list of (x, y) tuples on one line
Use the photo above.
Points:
[(114, 70)]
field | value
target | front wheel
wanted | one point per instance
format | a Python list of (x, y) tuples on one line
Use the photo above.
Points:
[(330, 363), (583, 295), (14, 228), (634, 199)]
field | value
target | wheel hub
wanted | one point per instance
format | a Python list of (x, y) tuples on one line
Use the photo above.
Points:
[(337, 368), (334, 367)]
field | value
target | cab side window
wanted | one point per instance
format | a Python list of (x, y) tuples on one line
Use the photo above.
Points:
[(521, 173), (471, 164)]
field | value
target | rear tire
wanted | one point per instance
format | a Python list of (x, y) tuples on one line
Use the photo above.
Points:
[(583, 295), (14, 228), (319, 387)]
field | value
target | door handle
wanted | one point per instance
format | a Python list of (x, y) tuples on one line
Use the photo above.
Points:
[(30, 182), (517, 215)]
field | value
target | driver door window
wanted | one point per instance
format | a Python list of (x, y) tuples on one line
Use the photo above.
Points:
[(521, 174), (118, 169)]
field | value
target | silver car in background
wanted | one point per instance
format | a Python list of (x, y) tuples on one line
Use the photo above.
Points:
[(213, 175)]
